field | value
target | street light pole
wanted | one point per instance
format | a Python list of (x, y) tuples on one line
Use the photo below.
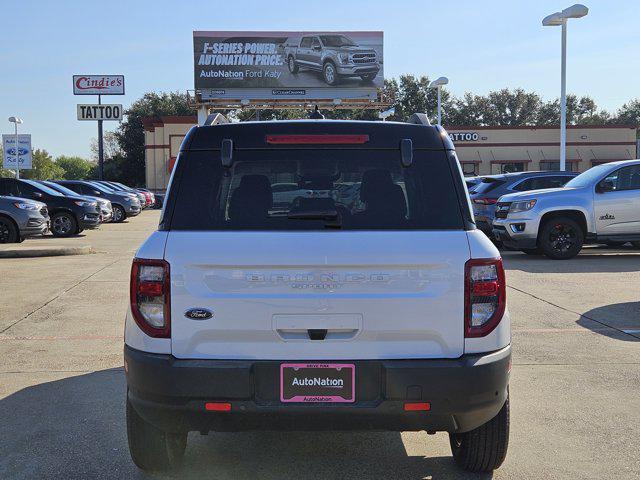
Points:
[(15, 124), (16, 121), (438, 84), (560, 19)]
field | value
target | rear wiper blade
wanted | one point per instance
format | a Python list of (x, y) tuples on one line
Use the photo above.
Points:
[(331, 217)]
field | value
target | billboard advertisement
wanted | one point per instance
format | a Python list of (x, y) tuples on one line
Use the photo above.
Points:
[(98, 84), (17, 155), (306, 65)]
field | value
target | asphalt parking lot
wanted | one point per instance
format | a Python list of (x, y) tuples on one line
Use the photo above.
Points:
[(574, 389)]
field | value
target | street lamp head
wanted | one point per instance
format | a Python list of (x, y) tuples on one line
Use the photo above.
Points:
[(575, 11), (439, 82), (15, 120), (558, 18), (553, 20)]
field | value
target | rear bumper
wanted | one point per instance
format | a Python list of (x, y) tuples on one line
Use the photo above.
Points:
[(463, 393)]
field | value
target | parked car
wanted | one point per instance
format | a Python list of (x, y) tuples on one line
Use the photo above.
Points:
[(118, 187), (124, 204), (21, 218), (334, 55), (317, 316), (151, 197), (485, 195), (106, 210), (69, 215), (601, 205), (472, 182)]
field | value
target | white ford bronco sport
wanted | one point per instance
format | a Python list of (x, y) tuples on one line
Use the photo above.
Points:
[(370, 301)]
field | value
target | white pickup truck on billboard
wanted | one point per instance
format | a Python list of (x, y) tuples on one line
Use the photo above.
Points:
[(288, 64)]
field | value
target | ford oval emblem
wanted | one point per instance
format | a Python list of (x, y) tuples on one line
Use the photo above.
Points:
[(198, 314)]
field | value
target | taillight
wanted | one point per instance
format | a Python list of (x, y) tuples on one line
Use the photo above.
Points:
[(150, 296), (295, 139), (485, 201), (485, 296)]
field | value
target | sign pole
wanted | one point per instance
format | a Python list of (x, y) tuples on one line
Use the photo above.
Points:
[(100, 147), (17, 152)]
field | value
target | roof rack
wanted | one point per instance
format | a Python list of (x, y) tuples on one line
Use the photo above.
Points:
[(419, 119), (215, 119)]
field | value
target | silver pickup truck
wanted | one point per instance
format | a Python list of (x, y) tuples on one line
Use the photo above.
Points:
[(335, 56), (601, 205)]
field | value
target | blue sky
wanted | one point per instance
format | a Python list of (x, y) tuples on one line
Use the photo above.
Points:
[(480, 46)]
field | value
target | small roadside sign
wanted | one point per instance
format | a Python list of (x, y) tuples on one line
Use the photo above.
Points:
[(16, 156), (99, 112)]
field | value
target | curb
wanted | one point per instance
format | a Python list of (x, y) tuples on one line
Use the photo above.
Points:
[(46, 252)]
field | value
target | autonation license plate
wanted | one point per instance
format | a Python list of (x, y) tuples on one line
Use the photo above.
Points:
[(318, 382)]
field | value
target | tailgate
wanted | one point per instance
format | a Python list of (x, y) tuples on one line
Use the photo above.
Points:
[(318, 295)]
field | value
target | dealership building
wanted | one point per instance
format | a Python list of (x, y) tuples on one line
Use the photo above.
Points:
[(481, 150)]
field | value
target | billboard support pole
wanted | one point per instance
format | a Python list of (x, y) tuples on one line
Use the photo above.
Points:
[(100, 146)]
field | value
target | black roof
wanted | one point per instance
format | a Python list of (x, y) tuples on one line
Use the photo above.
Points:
[(250, 135)]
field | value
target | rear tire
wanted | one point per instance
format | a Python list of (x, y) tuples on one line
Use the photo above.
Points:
[(119, 215), (485, 448), (8, 231), (63, 224), (151, 448), (561, 238)]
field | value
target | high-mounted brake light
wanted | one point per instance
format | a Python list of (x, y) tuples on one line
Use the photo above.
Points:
[(417, 407), (484, 296), (217, 407), (316, 139), (150, 297)]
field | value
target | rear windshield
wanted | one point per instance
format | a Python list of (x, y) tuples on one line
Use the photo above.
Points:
[(315, 190), (488, 184)]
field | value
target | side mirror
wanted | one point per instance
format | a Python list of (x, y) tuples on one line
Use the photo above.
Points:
[(37, 195), (605, 186), (96, 193), (317, 48)]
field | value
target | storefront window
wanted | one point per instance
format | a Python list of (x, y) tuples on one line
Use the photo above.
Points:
[(555, 165), (508, 167), (470, 169)]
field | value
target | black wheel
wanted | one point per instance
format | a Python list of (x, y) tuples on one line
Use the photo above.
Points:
[(63, 224), (561, 238), (531, 251), (8, 231), (368, 77), (330, 73), (292, 64), (485, 448), (152, 449), (119, 214)]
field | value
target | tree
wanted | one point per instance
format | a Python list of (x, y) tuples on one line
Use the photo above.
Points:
[(130, 133), (43, 167), (109, 145), (75, 168), (628, 114)]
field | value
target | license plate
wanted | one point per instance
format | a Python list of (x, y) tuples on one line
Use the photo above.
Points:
[(318, 382)]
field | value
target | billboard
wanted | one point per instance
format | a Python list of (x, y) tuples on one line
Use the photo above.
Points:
[(280, 65), (17, 156), (98, 84)]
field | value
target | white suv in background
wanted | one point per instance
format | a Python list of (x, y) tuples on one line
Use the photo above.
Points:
[(385, 313)]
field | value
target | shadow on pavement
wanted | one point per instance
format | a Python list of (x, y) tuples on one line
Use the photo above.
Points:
[(74, 428), (591, 260), (618, 316)]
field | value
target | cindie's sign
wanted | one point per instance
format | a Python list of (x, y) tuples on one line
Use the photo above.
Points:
[(98, 84)]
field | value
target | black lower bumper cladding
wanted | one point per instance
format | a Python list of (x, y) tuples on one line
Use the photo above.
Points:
[(462, 393)]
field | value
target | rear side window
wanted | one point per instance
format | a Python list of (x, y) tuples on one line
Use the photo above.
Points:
[(315, 190), (486, 185)]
